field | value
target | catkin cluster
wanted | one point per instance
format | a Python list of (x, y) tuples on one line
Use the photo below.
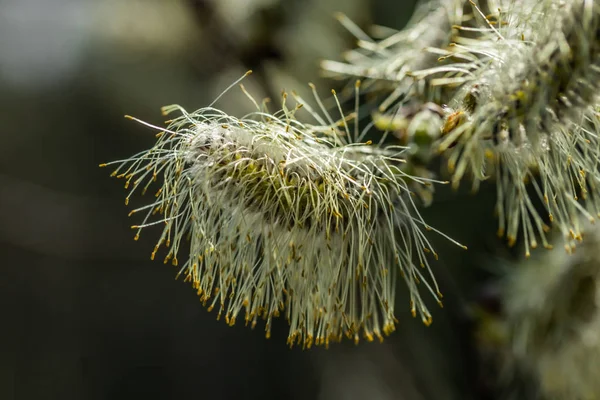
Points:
[(273, 216), (529, 117), (518, 83)]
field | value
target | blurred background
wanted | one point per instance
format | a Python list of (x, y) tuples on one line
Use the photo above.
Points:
[(85, 313)]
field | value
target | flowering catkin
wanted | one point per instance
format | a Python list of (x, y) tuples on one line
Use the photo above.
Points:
[(530, 112), (274, 217)]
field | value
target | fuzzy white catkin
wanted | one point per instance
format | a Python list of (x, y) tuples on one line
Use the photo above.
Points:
[(529, 116), (273, 217)]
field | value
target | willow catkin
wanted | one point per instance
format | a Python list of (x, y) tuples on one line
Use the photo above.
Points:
[(530, 111), (270, 216)]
